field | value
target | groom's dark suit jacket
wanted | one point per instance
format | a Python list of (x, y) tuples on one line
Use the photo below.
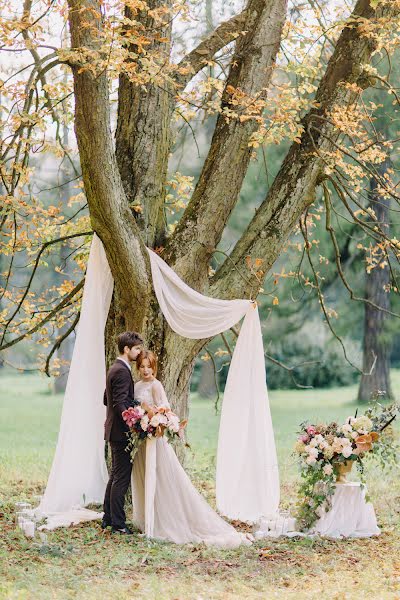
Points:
[(118, 396)]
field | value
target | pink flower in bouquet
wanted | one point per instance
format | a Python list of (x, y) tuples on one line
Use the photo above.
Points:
[(304, 438), (137, 413), (311, 430), (130, 416)]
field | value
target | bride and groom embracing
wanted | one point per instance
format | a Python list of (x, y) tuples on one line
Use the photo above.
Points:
[(178, 511)]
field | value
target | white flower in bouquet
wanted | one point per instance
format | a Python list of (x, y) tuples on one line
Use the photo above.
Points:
[(347, 430), (347, 451), (312, 451), (327, 469), (328, 452), (311, 460), (354, 435), (337, 445), (173, 423), (163, 419), (314, 442), (362, 424), (158, 419), (144, 422)]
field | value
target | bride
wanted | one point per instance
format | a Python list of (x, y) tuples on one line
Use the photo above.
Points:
[(166, 505)]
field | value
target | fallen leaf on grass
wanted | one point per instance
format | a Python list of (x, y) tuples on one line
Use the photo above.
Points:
[(265, 553), (242, 526)]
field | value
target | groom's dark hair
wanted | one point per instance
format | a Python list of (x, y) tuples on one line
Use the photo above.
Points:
[(128, 338)]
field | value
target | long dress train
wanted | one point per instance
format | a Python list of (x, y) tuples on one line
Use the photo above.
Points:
[(166, 505)]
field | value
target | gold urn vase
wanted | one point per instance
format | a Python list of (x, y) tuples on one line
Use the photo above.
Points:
[(343, 469)]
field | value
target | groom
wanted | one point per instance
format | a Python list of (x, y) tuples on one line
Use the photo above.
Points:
[(118, 396)]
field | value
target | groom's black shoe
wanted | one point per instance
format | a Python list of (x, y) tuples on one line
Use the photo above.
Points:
[(124, 531), (105, 524)]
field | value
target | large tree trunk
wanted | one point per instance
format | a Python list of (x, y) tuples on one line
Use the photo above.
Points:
[(135, 171), (376, 348)]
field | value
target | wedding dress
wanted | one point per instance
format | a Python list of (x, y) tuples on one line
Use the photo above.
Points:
[(166, 505)]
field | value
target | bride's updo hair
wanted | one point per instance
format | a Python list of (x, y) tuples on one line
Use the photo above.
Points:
[(151, 357)]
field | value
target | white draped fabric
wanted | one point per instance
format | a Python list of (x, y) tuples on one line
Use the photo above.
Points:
[(150, 485), (78, 474), (350, 516), (247, 471)]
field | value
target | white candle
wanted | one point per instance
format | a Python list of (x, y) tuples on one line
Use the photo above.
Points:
[(29, 528)]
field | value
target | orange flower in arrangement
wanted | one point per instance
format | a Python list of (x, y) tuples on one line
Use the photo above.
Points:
[(364, 442), (160, 430), (150, 412)]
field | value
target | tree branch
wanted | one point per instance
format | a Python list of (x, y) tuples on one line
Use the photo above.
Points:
[(196, 59), (338, 261), (59, 341), (226, 164), (35, 266), (48, 318), (295, 185)]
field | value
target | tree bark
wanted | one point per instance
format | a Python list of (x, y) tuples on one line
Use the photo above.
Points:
[(376, 347), (143, 136), (110, 214)]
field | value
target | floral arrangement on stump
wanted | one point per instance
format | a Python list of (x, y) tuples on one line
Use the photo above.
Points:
[(328, 451)]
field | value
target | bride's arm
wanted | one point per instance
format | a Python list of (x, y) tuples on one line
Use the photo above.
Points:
[(159, 395)]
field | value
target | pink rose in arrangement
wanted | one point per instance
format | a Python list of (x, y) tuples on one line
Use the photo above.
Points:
[(311, 430), (132, 415)]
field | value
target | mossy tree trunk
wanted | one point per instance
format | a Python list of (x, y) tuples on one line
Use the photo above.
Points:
[(375, 380)]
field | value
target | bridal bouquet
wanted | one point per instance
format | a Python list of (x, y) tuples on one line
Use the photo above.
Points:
[(323, 450), (151, 421)]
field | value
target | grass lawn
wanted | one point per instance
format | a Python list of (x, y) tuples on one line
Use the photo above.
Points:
[(83, 562)]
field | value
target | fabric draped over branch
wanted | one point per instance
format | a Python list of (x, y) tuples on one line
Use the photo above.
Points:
[(247, 480), (78, 474)]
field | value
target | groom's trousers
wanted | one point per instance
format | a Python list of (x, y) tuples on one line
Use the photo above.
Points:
[(120, 476)]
